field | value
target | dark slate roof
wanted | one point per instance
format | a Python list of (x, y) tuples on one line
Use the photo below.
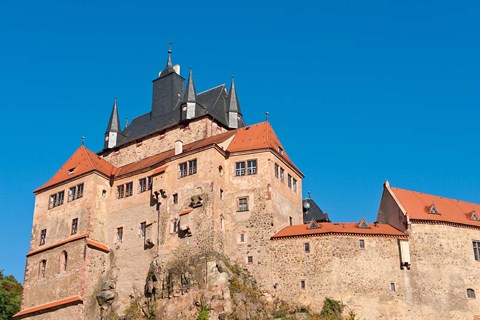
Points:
[(313, 212), (114, 123), (214, 102)]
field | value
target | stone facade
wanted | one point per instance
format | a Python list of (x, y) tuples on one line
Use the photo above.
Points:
[(181, 192)]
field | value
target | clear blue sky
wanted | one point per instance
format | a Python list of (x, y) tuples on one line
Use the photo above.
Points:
[(357, 91)]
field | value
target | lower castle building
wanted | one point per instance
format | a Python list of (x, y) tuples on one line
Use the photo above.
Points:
[(191, 177)]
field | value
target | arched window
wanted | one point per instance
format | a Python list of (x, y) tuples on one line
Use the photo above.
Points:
[(41, 269), (471, 293), (63, 261)]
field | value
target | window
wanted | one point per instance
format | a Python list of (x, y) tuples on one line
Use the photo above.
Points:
[(175, 198), (119, 234), (43, 236), (142, 185), (242, 237), (243, 204), (362, 244), (175, 226), (56, 199), (291, 220), (72, 193), (143, 229), (120, 191), (289, 181), (302, 284), (250, 259), (294, 184), (240, 168), (280, 150), (221, 193), (251, 167), (63, 261), (392, 287), (476, 250), (470, 293), (150, 182), (128, 189), (79, 190), (187, 168), (192, 166), (307, 247), (277, 169), (42, 268), (74, 226), (282, 175)]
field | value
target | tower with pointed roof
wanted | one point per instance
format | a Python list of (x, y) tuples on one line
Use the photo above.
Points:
[(113, 128)]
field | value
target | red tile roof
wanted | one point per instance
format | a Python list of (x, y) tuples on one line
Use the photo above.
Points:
[(50, 305), (417, 205), (98, 246), (56, 244), (348, 228), (82, 161), (185, 212)]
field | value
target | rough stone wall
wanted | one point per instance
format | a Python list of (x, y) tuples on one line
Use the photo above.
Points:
[(443, 267), (74, 312), (197, 129), (337, 267)]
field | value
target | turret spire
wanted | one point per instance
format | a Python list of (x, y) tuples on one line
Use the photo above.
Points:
[(235, 119), (113, 127), (169, 61), (191, 93)]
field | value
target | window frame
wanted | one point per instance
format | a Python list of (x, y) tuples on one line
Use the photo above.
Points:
[(142, 185), (306, 247), (74, 228), (43, 237), (121, 191), (143, 229), (119, 235), (361, 244), (242, 207), (128, 189), (240, 169), (252, 167), (249, 259), (471, 293), (476, 249)]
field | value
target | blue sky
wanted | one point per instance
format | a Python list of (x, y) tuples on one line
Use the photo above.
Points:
[(357, 91)]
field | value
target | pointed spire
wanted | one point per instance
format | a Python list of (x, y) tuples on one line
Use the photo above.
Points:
[(169, 61), (191, 94), (114, 123), (233, 105)]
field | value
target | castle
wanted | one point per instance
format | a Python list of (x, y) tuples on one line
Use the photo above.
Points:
[(191, 176)]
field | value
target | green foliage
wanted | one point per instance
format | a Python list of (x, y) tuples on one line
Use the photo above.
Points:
[(204, 310), (10, 296), (333, 310)]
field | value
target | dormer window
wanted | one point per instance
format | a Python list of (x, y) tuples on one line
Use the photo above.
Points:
[(433, 209), (363, 224), (313, 225), (71, 171), (474, 216)]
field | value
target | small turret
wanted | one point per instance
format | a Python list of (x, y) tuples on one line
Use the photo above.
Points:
[(190, 97), (235, 119), (113, 128)]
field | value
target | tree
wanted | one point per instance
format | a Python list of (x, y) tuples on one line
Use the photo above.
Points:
[(10, 296)]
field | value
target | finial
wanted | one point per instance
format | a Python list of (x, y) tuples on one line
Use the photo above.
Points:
[(266, 116), (126, 123), (114, 101), (169, 62), (83, 140), (309, 195)]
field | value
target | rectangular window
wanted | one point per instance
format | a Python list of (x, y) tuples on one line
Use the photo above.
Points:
[(53, 201), (61, 197), (72, 192), (182, 168), (243, 204), (43, 236), (143, 229), (277, 169), (119, 234), (289, 181), (175, 226), (142, 185), (294, 184), (392, 287), (250, 259), (242, 237), (476, 250), (79, 190), (251, 167), (128, 189), (192, 166), (120, 191), (74, 226), (240, 168), (362, 244), (307, 247), (150, 182), (43, 267), (302, 284), (56, 199), (221, 193), (282, 175), (175, 198)]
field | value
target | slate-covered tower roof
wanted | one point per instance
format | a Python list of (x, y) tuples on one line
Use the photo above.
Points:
[(172, 103), (311, 211)]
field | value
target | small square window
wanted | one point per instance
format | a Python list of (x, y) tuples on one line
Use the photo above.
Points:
[(74, 226), (142, 185), (43, 236), (302, 284), (307, 247), (250, 259), (243, 204), (128, 189)]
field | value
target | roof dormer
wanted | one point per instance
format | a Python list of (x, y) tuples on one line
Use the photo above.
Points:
[(433, 209), (363, 224)]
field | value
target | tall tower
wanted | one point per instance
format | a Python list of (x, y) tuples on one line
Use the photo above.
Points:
[(235, 119)]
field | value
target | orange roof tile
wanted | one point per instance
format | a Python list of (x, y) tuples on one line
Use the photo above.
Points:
[(350, 228), (50, 305), (258, 136), (160, 170), (418, 205), (98, 245), (82, 161), (57, 244), (185, 212)]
